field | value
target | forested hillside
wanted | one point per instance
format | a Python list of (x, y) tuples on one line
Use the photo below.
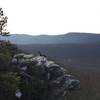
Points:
[(9, 79), (29, 77)]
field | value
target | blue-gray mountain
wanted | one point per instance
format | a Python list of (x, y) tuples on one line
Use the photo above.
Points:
[(54, 39)]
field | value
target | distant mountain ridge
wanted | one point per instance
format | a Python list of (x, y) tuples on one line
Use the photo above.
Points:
[(72, 37)]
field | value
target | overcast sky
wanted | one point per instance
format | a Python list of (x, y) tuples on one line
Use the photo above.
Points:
[(52, 16)]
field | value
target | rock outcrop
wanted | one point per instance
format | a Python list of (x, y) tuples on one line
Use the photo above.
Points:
[(52, 80)]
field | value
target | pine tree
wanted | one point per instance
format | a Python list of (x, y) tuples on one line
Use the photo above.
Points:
[(3, 23)]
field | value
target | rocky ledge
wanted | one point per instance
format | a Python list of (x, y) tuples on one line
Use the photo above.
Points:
[(47, 80)]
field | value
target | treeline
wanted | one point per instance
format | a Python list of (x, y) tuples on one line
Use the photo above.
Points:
[(9, 79)]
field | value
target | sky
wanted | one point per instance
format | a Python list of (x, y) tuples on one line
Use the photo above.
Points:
[(52, 17)]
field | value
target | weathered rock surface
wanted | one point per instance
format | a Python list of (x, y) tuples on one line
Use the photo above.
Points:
[(52, 78)]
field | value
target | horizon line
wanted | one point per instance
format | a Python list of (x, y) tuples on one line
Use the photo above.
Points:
[(53, 34)]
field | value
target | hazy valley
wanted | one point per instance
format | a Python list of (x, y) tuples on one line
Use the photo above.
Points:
[(78, 55)]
